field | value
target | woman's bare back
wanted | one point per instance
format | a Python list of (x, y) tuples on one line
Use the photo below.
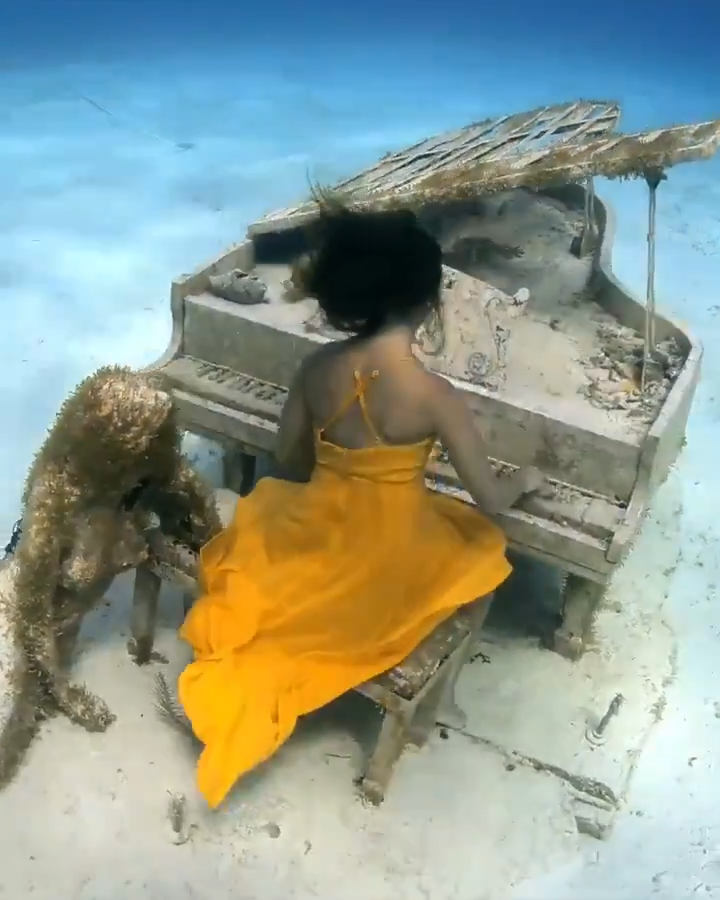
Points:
[(402, 404), (394, 407)]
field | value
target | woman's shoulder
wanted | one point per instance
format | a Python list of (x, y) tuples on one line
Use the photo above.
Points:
[(323, 356), (431, 381), (316, 366)]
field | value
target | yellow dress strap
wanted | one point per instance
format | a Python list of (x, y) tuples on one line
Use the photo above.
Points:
[(358, 396)]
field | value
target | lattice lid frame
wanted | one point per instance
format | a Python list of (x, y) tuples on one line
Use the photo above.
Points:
[(523, 138)]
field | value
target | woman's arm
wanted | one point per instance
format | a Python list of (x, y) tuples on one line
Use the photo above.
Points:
[(456, 428), (295, 448)]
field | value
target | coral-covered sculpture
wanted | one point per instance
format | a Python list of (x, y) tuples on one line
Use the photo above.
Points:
[(110, 462)]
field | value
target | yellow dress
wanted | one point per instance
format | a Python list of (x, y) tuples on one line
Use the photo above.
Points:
[(315, 588)]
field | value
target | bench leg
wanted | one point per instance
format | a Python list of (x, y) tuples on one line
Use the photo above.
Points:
[(449, 713), (580, 599), (390, 744), (143, 617), (428, 706)]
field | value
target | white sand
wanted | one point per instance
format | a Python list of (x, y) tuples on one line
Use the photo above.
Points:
[(468, 813)]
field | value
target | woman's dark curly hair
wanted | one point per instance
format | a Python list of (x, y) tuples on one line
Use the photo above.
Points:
[(370, 268)]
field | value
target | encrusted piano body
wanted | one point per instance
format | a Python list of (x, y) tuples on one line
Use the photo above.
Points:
[(230, 363)]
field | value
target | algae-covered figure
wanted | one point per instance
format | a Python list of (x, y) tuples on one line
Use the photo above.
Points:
[(19, 690), (106, 542), (111, 459)]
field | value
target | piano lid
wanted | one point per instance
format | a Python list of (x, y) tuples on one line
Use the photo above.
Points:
[(523, 138), (612, 156)]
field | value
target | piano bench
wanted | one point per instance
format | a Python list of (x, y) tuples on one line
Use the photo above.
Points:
[(415, 695), (419, 693)]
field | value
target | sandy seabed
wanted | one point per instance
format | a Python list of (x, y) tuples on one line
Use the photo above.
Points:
[(96, 219)]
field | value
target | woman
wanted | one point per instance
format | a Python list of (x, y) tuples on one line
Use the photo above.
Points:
[(319, 586)]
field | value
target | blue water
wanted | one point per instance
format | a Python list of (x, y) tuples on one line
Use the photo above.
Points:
[(100, 207)]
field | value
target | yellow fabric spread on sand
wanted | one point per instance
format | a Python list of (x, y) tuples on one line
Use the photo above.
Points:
[(315, 588)]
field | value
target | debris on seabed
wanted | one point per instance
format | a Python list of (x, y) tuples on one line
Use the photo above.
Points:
[(178, 819)]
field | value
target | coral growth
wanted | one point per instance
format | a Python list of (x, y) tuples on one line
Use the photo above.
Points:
[(110, 462)]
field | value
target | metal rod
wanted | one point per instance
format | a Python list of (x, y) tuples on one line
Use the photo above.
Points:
[(612, 710), (588, 183), (653, 179), (596, 735), (590, 205), (588, 237)]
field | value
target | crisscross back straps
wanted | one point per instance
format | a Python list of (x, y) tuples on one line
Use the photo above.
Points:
[(358, 396)]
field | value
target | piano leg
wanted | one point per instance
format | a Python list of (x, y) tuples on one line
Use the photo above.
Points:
[(580, 599), (238, 470)]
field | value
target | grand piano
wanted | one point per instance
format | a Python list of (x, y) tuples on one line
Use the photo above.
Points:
[(601, 403)]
